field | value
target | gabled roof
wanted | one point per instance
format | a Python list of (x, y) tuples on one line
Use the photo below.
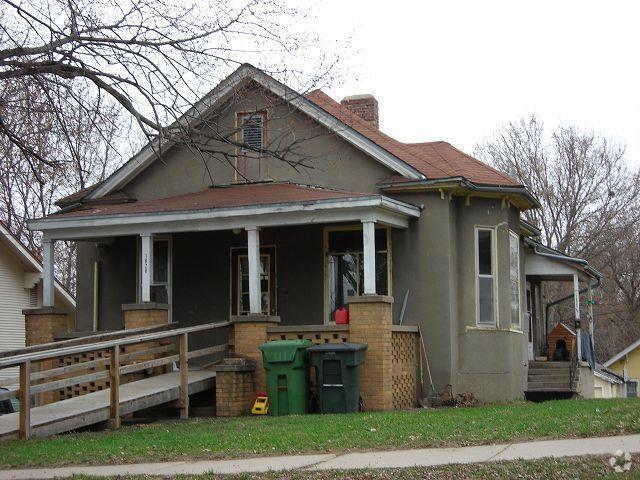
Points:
[(622, 354), (29, 258), (409, 161), (607, 375), (435, 160), (223, 91)]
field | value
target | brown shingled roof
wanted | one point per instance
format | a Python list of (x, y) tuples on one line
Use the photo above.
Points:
[(242, 195), (435, 160)]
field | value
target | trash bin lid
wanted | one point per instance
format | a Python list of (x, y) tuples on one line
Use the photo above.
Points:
[(337, 347), (283, 350)]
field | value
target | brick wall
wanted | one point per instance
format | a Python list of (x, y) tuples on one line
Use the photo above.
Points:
[(42, 325), (364, 106), (138, 315), (235, 391), (370, 322), (247, 333)]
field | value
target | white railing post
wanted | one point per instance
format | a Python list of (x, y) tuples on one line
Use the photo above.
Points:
[(253, 245), (25, 400), (369, 248), (146, 266), (48, 278)]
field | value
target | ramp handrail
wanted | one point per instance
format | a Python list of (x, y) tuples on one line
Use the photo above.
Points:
[(90, 337), (115, 369)]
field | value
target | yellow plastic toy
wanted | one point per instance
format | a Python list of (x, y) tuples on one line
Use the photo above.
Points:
[(261, 405)]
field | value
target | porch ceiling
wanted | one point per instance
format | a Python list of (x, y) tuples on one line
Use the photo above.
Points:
[(544, 263), (237, 206)]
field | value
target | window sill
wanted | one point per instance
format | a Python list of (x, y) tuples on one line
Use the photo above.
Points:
[(478, 328)]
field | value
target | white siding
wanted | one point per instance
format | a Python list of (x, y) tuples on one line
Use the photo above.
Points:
[(13, 299)]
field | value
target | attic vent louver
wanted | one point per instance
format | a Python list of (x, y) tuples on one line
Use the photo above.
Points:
[(252, 129)]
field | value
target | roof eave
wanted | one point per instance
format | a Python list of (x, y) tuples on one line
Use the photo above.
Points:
[(460, 182), (374, 207)]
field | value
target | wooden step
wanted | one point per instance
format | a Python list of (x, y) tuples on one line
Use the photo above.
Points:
[(548, 378), (548, 365)]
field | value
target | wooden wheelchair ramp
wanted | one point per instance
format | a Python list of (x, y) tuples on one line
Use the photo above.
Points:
[(94, 407), (120, 398)]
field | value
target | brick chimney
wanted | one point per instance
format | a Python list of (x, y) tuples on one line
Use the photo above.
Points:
[(365, 106)]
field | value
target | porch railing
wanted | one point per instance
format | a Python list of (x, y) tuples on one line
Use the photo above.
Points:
[(113, 362)]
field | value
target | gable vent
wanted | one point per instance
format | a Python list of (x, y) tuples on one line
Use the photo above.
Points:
[(252, 129)]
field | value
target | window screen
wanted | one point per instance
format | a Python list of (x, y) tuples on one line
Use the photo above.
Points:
[(252, 130)]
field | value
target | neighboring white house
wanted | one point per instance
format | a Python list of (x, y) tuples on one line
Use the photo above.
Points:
[(21, 288)]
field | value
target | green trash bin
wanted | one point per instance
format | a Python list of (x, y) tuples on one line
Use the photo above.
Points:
[(287, 366), (338, 375)]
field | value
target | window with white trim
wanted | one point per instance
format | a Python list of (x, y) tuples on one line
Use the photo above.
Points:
[(486, 281), (514, 278), (252, 127), (631, 388)]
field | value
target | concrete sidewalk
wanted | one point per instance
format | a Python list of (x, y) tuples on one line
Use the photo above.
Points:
[(426, 457)]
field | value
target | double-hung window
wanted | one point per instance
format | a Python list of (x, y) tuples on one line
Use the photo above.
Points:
[(514, 278), (486, 279)]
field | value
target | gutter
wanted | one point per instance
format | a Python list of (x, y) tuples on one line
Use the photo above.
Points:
[(464, 183), (560, 256)]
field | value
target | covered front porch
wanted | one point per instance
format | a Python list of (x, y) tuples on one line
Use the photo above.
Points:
[(298, 259), (277, 262)]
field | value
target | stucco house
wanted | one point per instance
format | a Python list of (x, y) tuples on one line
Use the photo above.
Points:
[(626, 364), (20, 289), (351, 212)]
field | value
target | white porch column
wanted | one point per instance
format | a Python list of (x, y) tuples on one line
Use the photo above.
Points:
[(369, 247), (253, 246), (146, 266), (590, 293), (576, 296), (576, 307), (48, 279)]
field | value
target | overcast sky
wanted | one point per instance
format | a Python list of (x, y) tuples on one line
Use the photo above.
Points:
[(455, 70)]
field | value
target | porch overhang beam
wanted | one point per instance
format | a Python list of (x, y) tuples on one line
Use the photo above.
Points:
[(382, 210)]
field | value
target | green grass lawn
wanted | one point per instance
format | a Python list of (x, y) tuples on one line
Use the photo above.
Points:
[(251, 436)]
